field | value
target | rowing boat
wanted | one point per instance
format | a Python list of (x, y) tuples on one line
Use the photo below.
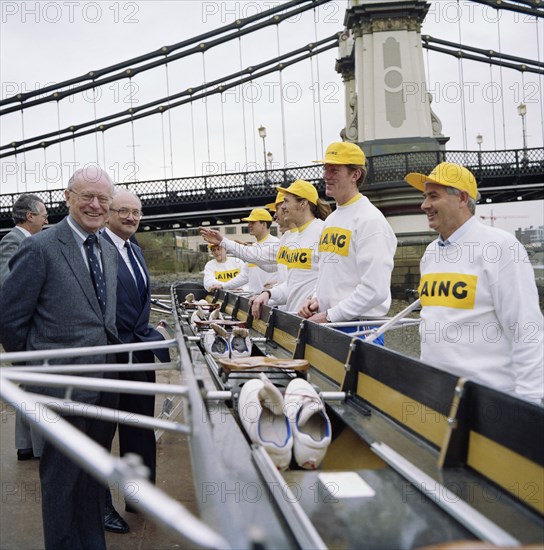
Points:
[(418, 456)]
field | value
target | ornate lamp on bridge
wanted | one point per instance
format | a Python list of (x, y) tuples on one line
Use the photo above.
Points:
[(479, 141), (262, 134), (522, 111)]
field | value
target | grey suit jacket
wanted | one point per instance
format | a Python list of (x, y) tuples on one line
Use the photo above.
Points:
[(8, 246), (49, 300)]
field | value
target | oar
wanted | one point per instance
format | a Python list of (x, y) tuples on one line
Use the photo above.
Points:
[(384, 328)]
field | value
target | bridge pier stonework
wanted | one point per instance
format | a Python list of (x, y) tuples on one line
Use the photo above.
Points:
[(388, 108)]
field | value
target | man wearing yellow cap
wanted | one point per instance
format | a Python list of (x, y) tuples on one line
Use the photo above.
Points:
[(286, 229), (480, 313), (356, 247), (221, 268), (260, 256), (303, 208)]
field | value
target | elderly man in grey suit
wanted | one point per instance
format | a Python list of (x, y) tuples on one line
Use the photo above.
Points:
[(61, 293), (29, 216)]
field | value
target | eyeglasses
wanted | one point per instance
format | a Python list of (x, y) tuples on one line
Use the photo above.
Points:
[(89, 197), (125, 212)]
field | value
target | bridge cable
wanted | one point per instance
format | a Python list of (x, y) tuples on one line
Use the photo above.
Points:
[(193, 135), (502, 85), (243, 106), (45, 164), (94, 100), (521, 64), (282, 106), (493, 108), (103, 150), (189, 91), (534, 9), (223, 133), (318, 90), (163, 147), (541, 84), (204, 100), (253, 125), (133, 116), (131, 72), (270, 16), (72, 129), (169, 121), (60, 145), (134, 165), (316, 145), (462, 82)]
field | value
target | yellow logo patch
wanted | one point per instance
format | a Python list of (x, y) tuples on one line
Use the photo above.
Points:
[(335, 240), (295, 258), (226, 275), (456, 290)]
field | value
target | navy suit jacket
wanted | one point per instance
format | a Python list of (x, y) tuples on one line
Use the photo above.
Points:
[(132, 317)]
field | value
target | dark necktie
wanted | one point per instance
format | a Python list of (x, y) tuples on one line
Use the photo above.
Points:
[(96, 273), (137, 273)]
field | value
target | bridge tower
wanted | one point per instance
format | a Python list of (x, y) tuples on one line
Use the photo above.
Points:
[(388, 108)]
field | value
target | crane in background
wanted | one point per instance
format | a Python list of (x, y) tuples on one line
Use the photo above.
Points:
[(493, 218)]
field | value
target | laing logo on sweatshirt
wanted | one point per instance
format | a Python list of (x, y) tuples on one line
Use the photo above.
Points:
[(295, 258), (226, 275), (335, 240), (456, 290)]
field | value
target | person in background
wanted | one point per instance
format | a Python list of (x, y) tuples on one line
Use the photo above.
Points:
[(221, 268), (301, 207), (29, 216), (260, 256), (480, 316), (132, 321), (356, 248), (61, 293)]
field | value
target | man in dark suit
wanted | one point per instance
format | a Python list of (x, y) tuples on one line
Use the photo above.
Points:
[(133, 311), (29, 216), (61, 293)]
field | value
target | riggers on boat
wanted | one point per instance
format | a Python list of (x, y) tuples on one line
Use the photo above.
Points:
[(417, 457)]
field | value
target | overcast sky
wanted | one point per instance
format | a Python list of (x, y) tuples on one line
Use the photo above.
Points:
[(45, 42)]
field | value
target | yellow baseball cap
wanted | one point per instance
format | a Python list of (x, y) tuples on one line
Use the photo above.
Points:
[(448, 174), (258, 215), (343, 152), (303, 189), (272, 205), (212, 245)]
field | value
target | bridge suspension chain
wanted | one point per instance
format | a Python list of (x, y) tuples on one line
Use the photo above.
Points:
[(220, 86), (270, 17)]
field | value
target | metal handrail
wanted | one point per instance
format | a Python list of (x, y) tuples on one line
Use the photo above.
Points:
[(90, 456)]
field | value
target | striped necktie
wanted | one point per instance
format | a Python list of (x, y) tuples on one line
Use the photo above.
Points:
[(96, 273)]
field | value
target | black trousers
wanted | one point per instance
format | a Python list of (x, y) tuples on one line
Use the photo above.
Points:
[(73, 501)]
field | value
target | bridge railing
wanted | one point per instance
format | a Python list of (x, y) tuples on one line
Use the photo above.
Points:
[(491, 168), (484, 164)]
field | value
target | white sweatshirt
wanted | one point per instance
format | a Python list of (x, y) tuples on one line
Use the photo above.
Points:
[(217, 273), (356, 253), (481, 317), (262, 252), (299, 254)]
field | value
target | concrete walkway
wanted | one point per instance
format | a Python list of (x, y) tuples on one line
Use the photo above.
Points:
[(20, 506)]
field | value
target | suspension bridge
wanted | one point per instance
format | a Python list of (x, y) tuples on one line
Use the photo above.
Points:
[(208, 189)]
